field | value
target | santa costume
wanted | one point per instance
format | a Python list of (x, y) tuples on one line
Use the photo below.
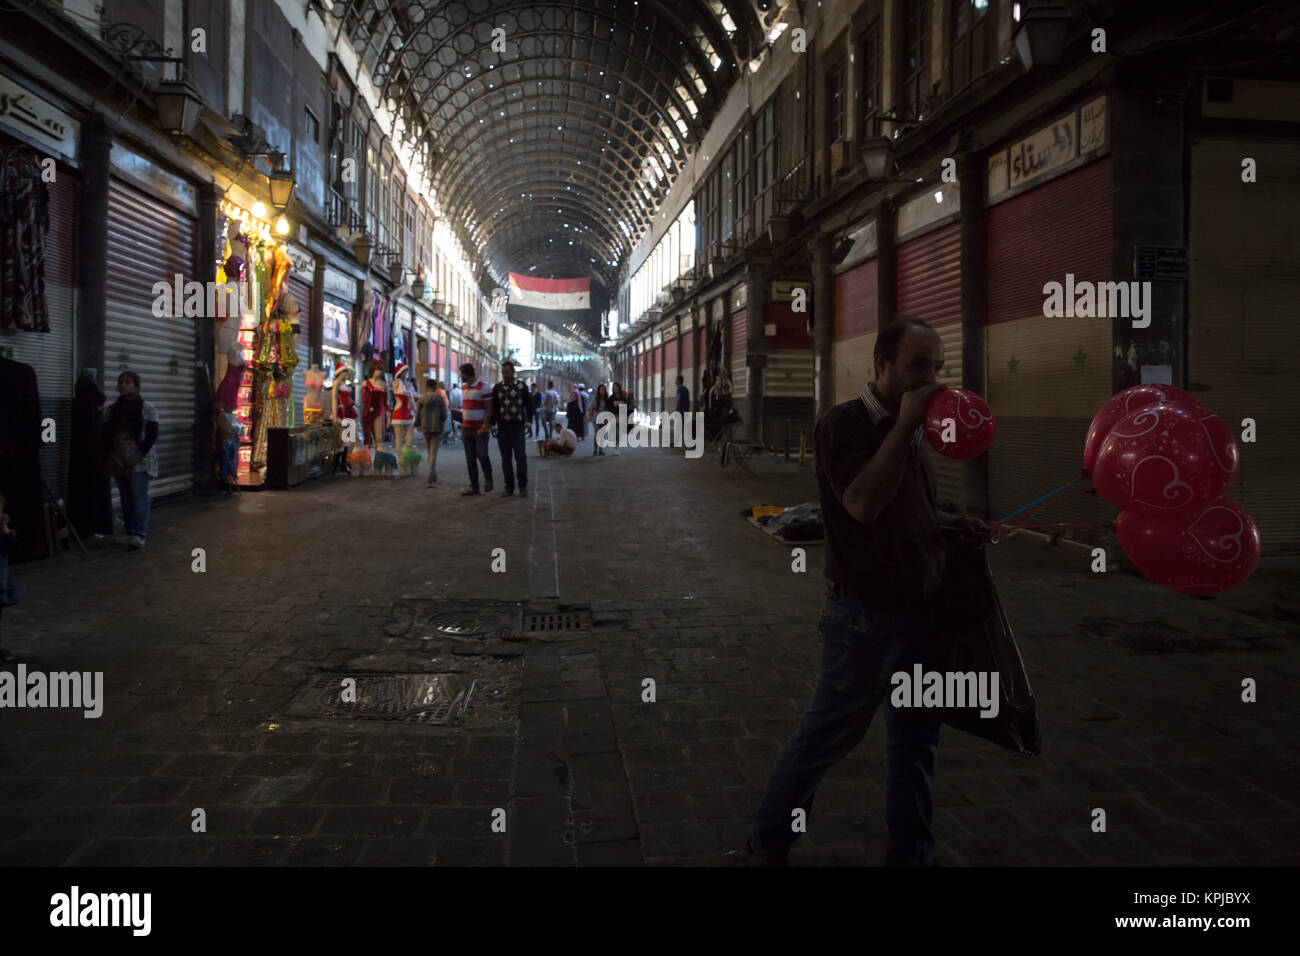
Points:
[(374, 401), (345, 409), (403, 411)]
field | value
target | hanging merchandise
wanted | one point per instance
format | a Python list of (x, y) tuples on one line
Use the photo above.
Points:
[(24, 222)]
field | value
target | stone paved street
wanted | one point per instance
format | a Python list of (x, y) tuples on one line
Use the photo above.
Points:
[(1139, 689)]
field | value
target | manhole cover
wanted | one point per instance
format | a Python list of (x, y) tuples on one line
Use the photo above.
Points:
[(550, 622), (429, 619), (421, 698)]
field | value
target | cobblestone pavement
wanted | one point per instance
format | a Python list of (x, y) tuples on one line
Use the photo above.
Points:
[(208, 702)]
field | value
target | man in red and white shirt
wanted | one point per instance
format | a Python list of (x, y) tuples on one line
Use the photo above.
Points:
[(476, 404)]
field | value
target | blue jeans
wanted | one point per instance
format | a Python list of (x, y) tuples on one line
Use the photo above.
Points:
[(133, 489), (510, 440), (862, 648), (476, 450)]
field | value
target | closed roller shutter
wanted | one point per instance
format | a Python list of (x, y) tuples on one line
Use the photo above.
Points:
[(1047, 377), (856, 323), (657, 378), (50, 353), (150, 242), (671, 371), (739, 346), (929, 288), (1244, 260)]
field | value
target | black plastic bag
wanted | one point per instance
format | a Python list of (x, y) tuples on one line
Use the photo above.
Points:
[(974, 635)]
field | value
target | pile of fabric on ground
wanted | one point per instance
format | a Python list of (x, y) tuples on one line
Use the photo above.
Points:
[(801, 524)]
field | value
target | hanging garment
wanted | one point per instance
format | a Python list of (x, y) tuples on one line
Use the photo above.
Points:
[(228, 390), (375, 402), (90, 503), (20, 444), (24, 223)]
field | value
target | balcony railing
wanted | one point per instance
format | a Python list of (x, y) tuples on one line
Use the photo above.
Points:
[(344, 213), (795, 187)]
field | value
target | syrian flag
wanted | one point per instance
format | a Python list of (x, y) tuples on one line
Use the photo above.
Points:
[(557, 302)]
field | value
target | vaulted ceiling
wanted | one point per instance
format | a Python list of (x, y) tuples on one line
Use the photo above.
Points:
[(554, 130)]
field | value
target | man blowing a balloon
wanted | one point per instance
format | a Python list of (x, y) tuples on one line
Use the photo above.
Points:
[(884, 566)]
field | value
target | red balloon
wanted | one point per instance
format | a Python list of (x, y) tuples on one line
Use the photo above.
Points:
[(1201, 552), (1125, 403), (1161, 460), (971, 428)]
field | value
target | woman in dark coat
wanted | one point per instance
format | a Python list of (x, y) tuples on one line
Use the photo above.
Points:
[(600, 402), (574, 413)]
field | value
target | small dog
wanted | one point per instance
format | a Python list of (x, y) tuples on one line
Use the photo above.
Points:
[(385, 463)]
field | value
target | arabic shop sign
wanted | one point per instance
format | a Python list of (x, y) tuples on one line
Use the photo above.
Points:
[(36, 119), (1081, 132)]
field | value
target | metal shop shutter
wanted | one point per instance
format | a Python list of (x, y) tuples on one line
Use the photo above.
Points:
[(658, 378), (854, 336), (150, 242), (50, 353), (1046, 376), (1244, 261), (929, 288), (739, 346)]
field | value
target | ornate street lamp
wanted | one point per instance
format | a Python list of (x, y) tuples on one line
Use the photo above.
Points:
[(178, 104), (1040, 38)]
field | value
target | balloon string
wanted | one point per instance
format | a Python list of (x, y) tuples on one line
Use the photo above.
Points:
[(1059, 501), (1055, 491), (1058, 524)]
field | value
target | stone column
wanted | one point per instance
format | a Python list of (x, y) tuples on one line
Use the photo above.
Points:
[(92, 243), (974, 309)]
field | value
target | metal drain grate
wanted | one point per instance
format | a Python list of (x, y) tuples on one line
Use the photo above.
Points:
[(552, 622), (419, 698)]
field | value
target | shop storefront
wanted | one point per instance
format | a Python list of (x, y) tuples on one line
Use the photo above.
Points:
[(37, 139), (1243, 285), (857, 312), (152, 239), (788, 407), (1047, 376), (929, 288), (736, 303)]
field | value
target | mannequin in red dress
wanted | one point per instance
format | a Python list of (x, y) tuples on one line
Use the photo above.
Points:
[(403, 411), (374, 400), (345, 416)]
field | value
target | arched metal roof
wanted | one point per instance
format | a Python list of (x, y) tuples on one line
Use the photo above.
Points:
[(555, 129)]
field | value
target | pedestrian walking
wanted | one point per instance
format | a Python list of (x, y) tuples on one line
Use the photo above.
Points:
[(130, 433), (623, 408), (511, 409), (550, 405), (600, 402), (476, 415), (884, 567), (683, 403), (573, 412), (535, 410), (432, 416)]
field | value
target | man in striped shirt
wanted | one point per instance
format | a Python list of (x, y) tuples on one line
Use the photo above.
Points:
[(476, 402)]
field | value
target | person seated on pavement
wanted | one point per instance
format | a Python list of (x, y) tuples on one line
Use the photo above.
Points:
[(560, 445)]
